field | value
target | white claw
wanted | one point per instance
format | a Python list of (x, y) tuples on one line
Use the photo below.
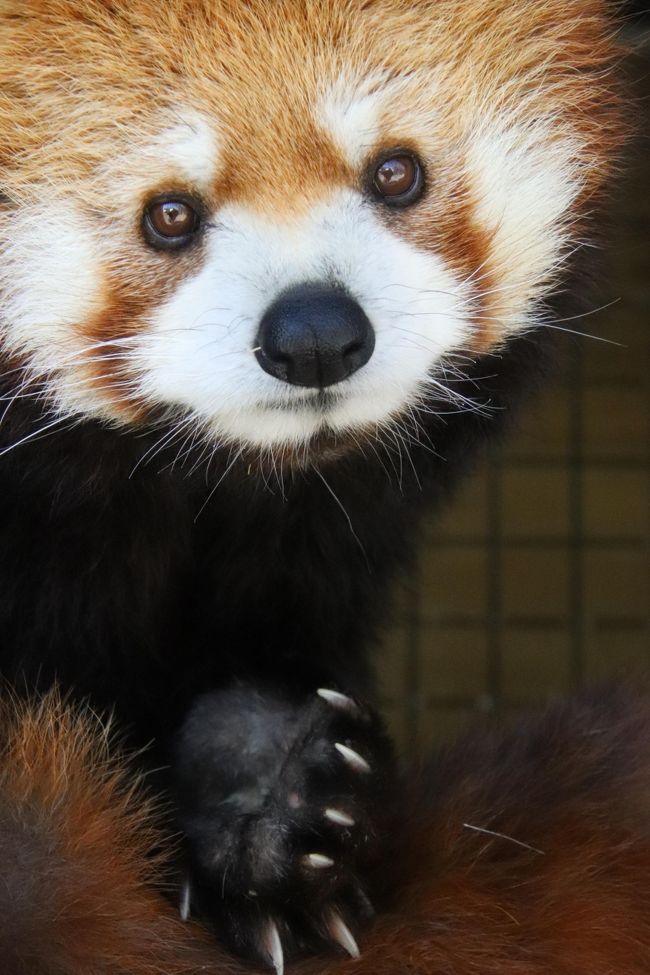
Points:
[(339, 818), (354, 760), (340, 701), (340, 932), (318, 861), (272, 947), (185, 905)]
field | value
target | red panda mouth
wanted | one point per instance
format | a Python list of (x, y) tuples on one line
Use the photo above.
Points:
[(320, 401)]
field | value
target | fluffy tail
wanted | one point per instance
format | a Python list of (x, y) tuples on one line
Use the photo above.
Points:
[(525, 854), (79, 887)]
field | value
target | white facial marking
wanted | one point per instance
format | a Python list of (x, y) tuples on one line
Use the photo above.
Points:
[(192, 147), (50, 282), (198, 352), (524, 185), (185, 152), (351, 111)]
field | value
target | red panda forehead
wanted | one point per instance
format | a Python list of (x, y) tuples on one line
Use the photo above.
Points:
[(260, 72), (281, 168), (297, 112)]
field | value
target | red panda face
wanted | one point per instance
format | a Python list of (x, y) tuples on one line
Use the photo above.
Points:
[(275, 222)]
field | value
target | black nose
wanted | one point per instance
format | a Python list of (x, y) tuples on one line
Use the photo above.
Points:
[(314, 335)]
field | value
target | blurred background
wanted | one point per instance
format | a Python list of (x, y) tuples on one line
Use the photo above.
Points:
[(537, 578)]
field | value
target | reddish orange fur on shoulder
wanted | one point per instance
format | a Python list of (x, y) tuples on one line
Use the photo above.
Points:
[(526, 854)]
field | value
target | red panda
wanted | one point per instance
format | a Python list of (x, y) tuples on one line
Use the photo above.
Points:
[(521, 853), (270, 276)]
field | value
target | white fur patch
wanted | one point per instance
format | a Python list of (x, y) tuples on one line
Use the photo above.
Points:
[(191, 147), (198, 353), (183, 153), (351, 112), (523, 186), (50, 281)]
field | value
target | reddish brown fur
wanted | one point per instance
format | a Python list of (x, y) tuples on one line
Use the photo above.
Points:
[(564, 889), (123, 312), (80, 892)]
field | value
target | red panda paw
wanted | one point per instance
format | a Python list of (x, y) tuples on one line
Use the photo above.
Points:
[(274, 931), (281, 871)]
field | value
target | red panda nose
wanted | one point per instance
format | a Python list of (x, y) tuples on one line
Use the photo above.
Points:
[(314, 335)]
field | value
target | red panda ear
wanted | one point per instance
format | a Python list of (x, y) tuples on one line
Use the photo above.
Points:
[(593, 81), (571, 53), (559, 59)]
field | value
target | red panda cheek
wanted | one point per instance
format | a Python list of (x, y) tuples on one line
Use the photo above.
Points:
[(133, 289), (445, 224)]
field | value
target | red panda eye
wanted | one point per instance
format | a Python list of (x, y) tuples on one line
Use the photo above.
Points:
[(170, 222), (398, 179)]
